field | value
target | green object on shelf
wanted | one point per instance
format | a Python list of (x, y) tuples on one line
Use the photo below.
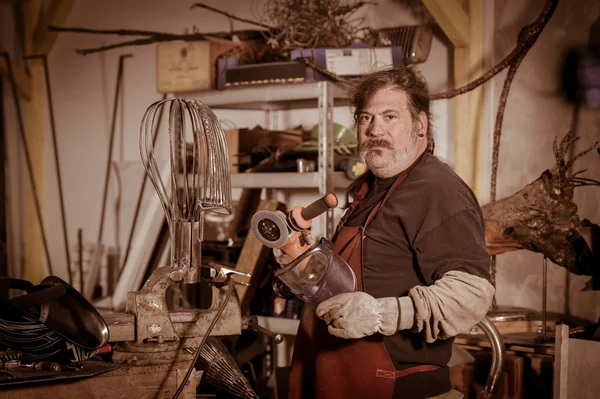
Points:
[(341, 135), (344, 140)]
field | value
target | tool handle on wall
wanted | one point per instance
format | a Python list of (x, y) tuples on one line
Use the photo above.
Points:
[(301, 217)]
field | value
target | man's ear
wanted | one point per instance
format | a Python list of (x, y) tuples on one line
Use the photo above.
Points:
[(422, 124)]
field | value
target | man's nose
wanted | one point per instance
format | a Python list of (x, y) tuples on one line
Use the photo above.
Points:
[(376, 127)]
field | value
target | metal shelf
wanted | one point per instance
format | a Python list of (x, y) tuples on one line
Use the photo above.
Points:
[(284, 180), (322, 96), (281, 96)]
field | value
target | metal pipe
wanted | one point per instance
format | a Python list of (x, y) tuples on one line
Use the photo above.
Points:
[(544, 295), (498, 357), (139, 199), (80, 260), (61, 200), (88, 292), (27, 157), (111, 141)]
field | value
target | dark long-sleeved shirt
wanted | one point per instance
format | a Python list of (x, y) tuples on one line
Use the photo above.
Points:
[(426, 246)]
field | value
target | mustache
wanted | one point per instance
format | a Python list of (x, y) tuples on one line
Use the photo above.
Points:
[(367, 145)]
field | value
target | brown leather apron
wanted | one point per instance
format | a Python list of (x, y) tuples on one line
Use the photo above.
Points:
[(325, 366)]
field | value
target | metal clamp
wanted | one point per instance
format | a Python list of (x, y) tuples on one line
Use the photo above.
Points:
[(220, 274)]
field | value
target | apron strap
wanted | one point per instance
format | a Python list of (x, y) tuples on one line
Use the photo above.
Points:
[(360, 195), (416, 369)]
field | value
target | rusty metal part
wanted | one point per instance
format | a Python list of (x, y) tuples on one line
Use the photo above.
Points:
[(251, 323), (43, 365), (222, 372), (220, 274), (10, 354), (153, 319)]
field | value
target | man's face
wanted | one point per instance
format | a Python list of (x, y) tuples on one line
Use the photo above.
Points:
[(388, 136)]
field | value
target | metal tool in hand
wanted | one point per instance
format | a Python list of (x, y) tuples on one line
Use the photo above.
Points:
[(275, 229), (315, 272)]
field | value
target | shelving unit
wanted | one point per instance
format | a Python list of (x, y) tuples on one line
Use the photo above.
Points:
[(270, 98)]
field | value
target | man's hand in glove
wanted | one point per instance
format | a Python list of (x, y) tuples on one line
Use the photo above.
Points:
[(284, 259), (358, 314)]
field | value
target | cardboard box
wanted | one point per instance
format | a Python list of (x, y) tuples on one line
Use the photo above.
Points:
[(288, 72), (189, 66), (352, 61)]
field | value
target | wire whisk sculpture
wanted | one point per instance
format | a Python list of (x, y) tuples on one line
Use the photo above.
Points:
[(199, 177)]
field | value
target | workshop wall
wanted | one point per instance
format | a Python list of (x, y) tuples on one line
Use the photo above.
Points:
[(536, 113), (83, 93)]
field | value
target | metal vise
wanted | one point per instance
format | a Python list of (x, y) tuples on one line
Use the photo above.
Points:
[(155, 335)]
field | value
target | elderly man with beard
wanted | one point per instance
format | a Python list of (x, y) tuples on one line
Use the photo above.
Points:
[(414, 236)]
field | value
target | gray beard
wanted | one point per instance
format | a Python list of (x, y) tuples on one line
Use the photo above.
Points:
[(398, 155)]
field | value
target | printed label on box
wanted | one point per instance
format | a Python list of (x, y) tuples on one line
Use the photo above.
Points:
[(183, 66), (346, 62)]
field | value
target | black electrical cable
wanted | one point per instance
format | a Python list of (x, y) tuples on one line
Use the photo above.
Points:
[(210, 328)]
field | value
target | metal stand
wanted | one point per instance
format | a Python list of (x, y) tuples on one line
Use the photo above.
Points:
[(544, 296)]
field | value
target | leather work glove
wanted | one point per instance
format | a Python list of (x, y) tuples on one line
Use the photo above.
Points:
[(358, 314), (284, 259)]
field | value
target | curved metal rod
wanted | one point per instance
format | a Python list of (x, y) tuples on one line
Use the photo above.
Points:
[(498, 356)]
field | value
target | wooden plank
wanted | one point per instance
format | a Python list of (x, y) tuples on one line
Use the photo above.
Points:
[(452, 18), (475, 127), (514, 369), (561, 362), (56, 14), (247, 206), (463, 145), (34, 112), (252, 259), (4, 189), (468, 107), (539, 376), (22, 80)]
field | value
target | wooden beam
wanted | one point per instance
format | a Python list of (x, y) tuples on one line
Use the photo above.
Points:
[(252, 259), (452, 18), (476, 97), (34, 115), (56, 14), (468, 107), (22, 80)]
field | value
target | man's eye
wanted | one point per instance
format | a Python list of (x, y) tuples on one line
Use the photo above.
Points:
[(364, 118), (390, 117)]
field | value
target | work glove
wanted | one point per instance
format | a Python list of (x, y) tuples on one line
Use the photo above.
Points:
[(284, 259), (357, 314)]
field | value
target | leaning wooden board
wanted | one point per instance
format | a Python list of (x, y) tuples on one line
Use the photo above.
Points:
[(253, 258)]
